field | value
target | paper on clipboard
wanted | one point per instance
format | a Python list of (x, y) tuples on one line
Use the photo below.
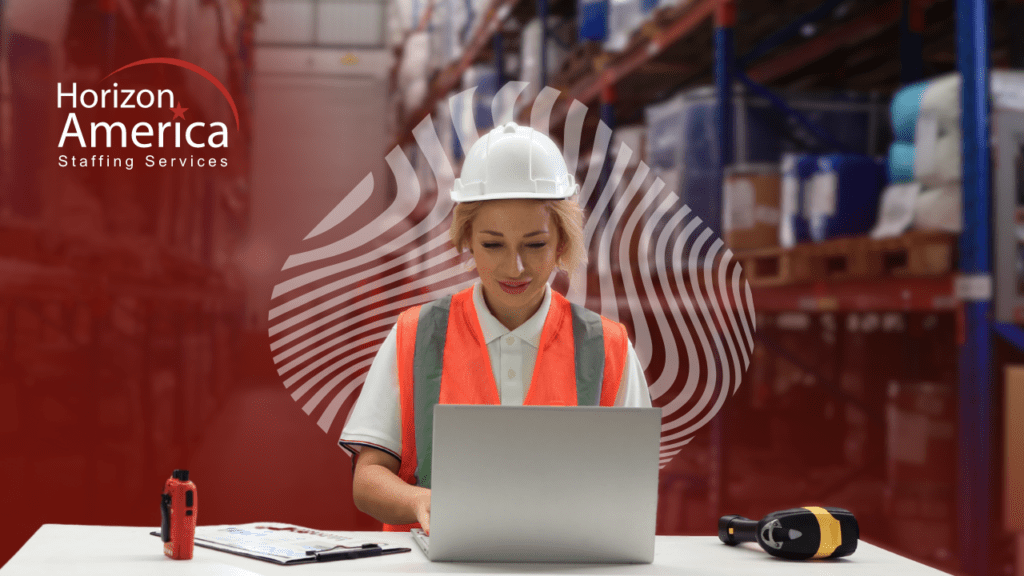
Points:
[(273, 541)]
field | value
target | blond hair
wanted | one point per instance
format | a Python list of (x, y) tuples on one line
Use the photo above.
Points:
[(568, 216)]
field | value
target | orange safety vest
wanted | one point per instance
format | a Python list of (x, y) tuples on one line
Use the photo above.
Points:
[(443, 358)]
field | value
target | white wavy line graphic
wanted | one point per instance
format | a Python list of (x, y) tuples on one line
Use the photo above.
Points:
[(688, 308)]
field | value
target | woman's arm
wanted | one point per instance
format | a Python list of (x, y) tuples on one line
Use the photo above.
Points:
[(379, 492)]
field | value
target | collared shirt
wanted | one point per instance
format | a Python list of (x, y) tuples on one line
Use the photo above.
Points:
[(375, 419)]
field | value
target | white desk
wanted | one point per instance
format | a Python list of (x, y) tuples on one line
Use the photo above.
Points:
[(114, 550)]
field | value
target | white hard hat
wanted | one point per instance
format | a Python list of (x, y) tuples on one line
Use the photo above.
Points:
[(513, 161)]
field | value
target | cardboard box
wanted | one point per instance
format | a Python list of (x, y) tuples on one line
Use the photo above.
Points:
[(1013, 450), (751, 196)]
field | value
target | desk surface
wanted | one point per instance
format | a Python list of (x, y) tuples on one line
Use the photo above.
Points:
[(62, 549)]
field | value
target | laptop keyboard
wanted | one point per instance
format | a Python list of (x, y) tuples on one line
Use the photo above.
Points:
[(422, 540)]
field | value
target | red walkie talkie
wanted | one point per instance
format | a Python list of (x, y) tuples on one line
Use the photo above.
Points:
[(178, 516)]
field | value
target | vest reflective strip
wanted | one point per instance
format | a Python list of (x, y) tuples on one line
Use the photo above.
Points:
[(431, 331), (588, 342)]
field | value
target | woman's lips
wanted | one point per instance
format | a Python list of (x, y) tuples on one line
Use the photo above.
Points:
[(514, 287)]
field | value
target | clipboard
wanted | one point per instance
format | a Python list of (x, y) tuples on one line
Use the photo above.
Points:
[(286, 544)]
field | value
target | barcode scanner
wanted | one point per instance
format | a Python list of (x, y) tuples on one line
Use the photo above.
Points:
[(797, 533), (178, 516)]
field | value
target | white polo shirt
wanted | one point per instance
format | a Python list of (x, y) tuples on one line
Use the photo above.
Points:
[(375, 419)]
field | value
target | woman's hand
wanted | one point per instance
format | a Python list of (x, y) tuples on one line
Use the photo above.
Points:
[(378, 491), (421, 506)]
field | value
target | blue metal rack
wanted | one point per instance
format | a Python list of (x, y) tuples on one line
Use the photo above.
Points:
[(974, 476), (975, 503)]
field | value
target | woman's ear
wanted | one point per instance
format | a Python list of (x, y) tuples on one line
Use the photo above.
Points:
[(467, 234)]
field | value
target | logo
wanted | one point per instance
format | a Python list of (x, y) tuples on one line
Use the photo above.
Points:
[(159, 128)]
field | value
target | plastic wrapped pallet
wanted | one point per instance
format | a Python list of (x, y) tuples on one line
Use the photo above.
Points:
[(938, 138), (530, 70), (843, 196)]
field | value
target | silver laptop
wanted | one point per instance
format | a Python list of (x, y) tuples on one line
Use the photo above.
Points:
[(543, 484)]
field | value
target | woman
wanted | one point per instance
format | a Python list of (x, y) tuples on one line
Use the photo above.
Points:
[(518, 216)]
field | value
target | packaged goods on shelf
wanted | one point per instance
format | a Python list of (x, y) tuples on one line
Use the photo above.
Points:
[(449, 20), (414, 94), (404, 15), (751, 214), (682, 139), (938, 139), (797, 169), (484, 78), (905, 111), (412, 71), (624, 17), (901, 163), (530, 69), (414, 58), (939, 208), (446, 130), (592, 20), (843, 196), (896, 213), (933, 156)]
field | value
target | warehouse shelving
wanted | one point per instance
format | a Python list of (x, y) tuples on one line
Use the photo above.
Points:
[(126, 331), (778, 57)]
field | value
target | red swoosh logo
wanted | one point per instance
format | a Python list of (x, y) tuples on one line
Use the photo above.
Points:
[(187, 66)]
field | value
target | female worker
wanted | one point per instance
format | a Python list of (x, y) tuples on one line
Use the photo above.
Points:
[(509, 339)]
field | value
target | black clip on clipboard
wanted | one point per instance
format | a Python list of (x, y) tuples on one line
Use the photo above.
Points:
[(365, 551)]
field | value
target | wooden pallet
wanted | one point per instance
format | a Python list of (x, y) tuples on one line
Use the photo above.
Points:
[(840, 259), (775, 266), (915, 254)]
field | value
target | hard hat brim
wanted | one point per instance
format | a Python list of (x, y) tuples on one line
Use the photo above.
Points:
[(510, 196)]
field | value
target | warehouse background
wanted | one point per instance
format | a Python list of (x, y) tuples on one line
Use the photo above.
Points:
[(134, 333)]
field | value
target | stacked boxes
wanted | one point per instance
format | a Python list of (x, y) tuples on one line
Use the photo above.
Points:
[(682, 139), (751, 218)]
